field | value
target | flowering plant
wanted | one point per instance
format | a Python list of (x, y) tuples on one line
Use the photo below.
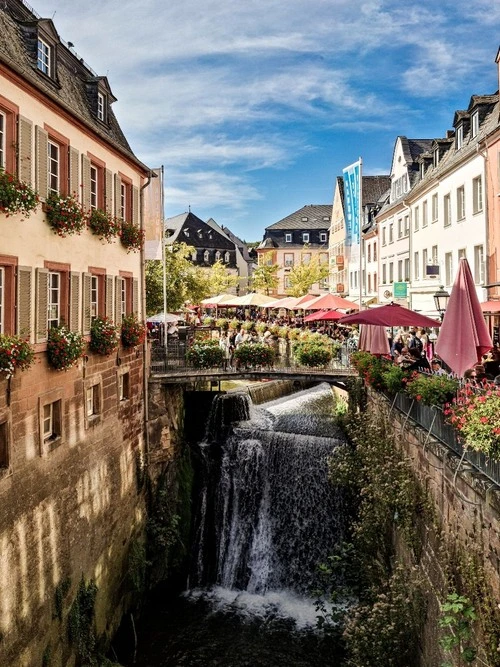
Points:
[(254, 354), (132, 332), (64, 347), (222, 323), (312, 353), (431, 389), (131, 236), (64, 214), (15, 353), (476, 416), (103, 224), (16, 196), (370, 367), (205, 354), (103, 336)]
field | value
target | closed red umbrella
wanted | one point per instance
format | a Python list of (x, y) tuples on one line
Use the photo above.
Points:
[(464, 336), (391, 315), (321, 315), (374, 339)]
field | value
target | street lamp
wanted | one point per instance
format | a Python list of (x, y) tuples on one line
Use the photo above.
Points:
[(441, 298)]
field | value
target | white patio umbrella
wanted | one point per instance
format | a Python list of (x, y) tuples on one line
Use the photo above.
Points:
[(252, 299)]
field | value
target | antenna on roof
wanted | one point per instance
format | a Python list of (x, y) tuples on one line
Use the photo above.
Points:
[(189, 208)]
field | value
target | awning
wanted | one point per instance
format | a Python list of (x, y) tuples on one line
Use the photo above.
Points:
[(490, 307)]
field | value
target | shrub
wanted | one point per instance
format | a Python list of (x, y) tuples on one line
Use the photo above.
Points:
[(431, 389), (132, 332), (476, 416), (248, 325), (64, 347), (261, 327), (205, 354), (15, 352), (222, 323), (283, 332), (104, 225), (208, 321), (234, 324), (312, 353), (64, 214), (131, 236), (16, 196), (254, 354), (394, 378), (294, 334), (103, 336)]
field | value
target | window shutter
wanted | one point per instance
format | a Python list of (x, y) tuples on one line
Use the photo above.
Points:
[(41, 166), (118, 300), (86, 303), (135, 205), (117, 195), (25, 150), (74, 304), (109, 297), (42, 284), (108, 193), (85, 182), (24, 299), (135, 296), (74, 180)]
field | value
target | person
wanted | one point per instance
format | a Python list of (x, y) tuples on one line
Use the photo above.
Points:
[(240, 338), (173, 329), (437, 368), (414, 342), (404, 359), (397, 346), (420, 363), (225, 346)]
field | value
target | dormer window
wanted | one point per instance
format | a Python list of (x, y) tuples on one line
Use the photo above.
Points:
[(305, 237), (43, 57), (459, 138), (304, 218), (435, 157), (288, 238), (101, 107), (218, 256), (322, 237), (186, 233), (206, 256), (474, 124), (227, 257)]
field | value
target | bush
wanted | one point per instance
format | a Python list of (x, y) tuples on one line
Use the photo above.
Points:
[(248, 325), (312, 353), (254, 354), (132, 332), (103, 336), (15, 352), (222, 323), (394, 379), (234, 324), (104, 225), (283, 332), (205, 354), (64, 347), (431, 389), (208, 321), (261, 327)]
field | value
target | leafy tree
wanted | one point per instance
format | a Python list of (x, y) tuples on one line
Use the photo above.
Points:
[(220, 279), (264, 277), (303, 276)]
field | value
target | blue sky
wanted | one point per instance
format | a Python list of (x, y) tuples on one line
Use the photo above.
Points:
[(254, 107)]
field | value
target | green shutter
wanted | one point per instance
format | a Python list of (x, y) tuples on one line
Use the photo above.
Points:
[(109, 297), (135, 205), (135, 296)]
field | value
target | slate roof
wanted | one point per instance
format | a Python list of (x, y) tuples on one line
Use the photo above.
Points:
[(412, 148), (373, 188), (73, 75), (199, 233), (314, 214)]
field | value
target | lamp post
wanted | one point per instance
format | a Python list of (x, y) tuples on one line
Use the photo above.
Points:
[(441, 298)]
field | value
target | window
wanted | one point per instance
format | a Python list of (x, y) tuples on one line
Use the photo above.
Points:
[(479, 268), (375, 251), (53, 167), (43, 57), (288, 238), (369, 282), (400, 270), (51, 423), (416, 219), (322, 237), (217, 256), (94, 297), (227, 257), (448, 268), (306, 257), (474, 124), (289, 259), (384, 274), (425, 261), (305, 237), (407, 270), (93, 186), (287, 282), (434, 208), (123, 386), (400, 228), (434, 254), (416, 266), (384, 242), (123, 297), (4, 447), (459, 137), (323, 258), (324, 283), (369, 253), (123, 201), (447, 210), (462, 253), (375, 284), (101, 107), (425, 217), (407, 225), (477, 195), (460, 203), (391, 233), (391, 272), (92, 401), (54, 299), (435, 157), (206, 256)]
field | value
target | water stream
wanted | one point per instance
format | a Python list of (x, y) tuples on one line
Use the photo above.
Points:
[(266, 517)]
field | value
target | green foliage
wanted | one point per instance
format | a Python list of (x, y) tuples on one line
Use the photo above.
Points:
[(234, 324), (250, 355), (205, 354), (60, 593), (15, 353), (431, 389), (220, 279), (131, 236), (303, 276), (312, 353), (222, 323), (65, 214), (64, 347), (475, 414), (104, 225), (393, 378), (264, 277), (457, 616), (16, 196), (370, 368), (103, 336), (132, 331), (81, 632), (138, 565), (248, 325)]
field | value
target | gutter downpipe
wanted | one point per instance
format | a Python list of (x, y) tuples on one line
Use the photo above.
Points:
[(410, 246)]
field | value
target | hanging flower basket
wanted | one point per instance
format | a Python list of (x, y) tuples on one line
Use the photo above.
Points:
[(133, 332), (64, 347), (131, 236), (65, 215), (104, 225), (16, 196), (103, 336), (15, 353)]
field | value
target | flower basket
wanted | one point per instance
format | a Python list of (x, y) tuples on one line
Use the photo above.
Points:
[(431, 389), (133, 332), (475, 414), (64, 215), (16, 196), (222, 323), (131, 236), (103, 336), (104, 225), (205, 354), (15, 353), (312, 353), (64, 347), (254, 354)]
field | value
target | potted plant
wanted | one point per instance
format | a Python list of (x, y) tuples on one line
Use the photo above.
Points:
[(254, 354), (132, 331), (205, 354), (64, 347), (431, 389), (64, 214), (16, 196), (312, 353), (222, 323), (15, 353), (103, 225), (103, 336), (131, 236), (475, 414)]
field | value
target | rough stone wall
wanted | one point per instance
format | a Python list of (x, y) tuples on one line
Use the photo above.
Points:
[(467, 505), (69, 512)]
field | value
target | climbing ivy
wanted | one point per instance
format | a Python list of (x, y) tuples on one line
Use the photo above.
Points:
[(457, 616), (81, 631)]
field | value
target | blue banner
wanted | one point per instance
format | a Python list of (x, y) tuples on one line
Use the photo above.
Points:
[(351, 177)]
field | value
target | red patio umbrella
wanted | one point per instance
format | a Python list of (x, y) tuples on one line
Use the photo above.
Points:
[(331, 301), (374, 339), (390, 315), (321, 315), (298, 304), (464, 335)]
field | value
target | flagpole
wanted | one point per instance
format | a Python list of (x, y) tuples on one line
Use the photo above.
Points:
[(360, 216), (163, 258)]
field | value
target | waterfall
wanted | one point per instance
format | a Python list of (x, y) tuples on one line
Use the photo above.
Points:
[(267, 516)]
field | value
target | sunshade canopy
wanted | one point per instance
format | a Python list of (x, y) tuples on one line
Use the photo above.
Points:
[(390, 315), (374, 339), (217, 300), (164, 318), (490, 306), (331, 301), (323, 315), (252, 299)]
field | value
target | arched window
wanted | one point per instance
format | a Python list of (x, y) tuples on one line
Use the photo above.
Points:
[(206, 256), (227, 257), (218, 256)]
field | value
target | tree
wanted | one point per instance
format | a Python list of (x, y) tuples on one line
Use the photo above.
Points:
[(220, 279), (303, 276), (264, 277)]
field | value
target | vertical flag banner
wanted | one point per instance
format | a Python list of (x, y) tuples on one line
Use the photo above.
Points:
[(352, 194), (153, 216)]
